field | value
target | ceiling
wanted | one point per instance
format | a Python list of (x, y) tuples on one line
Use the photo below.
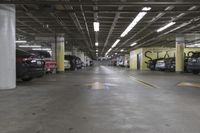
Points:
[(75, 19)]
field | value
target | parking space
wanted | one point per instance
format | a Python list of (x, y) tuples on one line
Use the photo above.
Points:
[(97, 66), (101, 100)]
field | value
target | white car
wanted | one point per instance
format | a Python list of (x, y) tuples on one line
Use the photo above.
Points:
[(160, 65), (67, 64)]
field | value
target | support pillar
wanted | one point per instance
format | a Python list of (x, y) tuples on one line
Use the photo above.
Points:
[(7, 47), (60, 53), (180, 45), (53, 48)]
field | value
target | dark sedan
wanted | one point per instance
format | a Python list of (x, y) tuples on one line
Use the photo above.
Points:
[(193, 63), (28, 66)]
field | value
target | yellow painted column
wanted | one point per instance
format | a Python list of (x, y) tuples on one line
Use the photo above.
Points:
[(60, 53), (180, 45)]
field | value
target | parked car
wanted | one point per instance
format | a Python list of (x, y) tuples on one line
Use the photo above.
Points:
[(67, 64), (91, 63), (193, 64), (50, 64), (28, 66), (170, 64), (73, 62), (152, 64)]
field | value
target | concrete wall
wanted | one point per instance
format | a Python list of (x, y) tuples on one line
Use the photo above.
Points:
[(133, 58), (154, 53)]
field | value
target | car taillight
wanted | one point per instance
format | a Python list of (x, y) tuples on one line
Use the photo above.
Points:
[(27, 60)]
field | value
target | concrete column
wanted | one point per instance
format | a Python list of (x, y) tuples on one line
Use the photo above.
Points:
[(180, 45), (53, 48), (7, 47), (60, 52)]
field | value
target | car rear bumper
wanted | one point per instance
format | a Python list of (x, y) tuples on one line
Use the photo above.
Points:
[(30, 72), (193, 67)]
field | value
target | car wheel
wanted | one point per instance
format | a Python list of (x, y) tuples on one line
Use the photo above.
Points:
[(27, 79), (195, 72)]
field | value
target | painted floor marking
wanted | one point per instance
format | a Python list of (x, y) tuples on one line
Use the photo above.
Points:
[(99, 85), (143, 82), (189, 84)]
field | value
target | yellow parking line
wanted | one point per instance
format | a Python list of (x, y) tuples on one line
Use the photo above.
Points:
[(189, 84), (143, 82)]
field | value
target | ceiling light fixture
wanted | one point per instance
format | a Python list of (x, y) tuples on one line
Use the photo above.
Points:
[(96, 26), (122, 50), (135, 21), (116, 42), (21, 41), (97, 50), (30, 46), (108, 51), (45, 49), (133, 44), (96, 44), (166, 26)]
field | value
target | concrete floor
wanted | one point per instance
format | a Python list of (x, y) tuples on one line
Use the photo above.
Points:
[(102, 100)]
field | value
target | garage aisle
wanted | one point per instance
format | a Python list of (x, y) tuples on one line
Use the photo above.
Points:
[(102, 100)]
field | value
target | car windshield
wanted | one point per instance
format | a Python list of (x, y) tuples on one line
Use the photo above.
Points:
[(21, 52), (41, 53), (196, 55)]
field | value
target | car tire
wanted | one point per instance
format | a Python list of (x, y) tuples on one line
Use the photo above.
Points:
[(195, 72), (27, 79)]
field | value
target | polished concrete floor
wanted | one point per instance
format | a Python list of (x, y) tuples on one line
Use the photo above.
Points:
[(102, 100)]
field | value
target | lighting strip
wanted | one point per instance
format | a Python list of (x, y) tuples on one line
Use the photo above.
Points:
[(46, 49), (30, 46), (135, 21), (166, 26), (115, 44), (108, 51), (21, 41), (133, 44), (96, 26)]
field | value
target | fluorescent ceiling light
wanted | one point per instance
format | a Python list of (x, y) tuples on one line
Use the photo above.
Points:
[(96, 44), (97, 50), (108, 51), (116, 42), (29, 46), (21, 41), (133, 44), (46, 49), (96, 26), (166, 26), (122, 50), (135, 21), (193, 46), (146, 9)]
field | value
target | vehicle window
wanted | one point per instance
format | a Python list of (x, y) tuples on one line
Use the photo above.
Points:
[(196, 55), (21, 52), (43, 54)]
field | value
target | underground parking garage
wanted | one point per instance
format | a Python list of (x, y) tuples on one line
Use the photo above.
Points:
[(115, 66)]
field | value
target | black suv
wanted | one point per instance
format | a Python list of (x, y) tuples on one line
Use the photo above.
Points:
[(193, 63)]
